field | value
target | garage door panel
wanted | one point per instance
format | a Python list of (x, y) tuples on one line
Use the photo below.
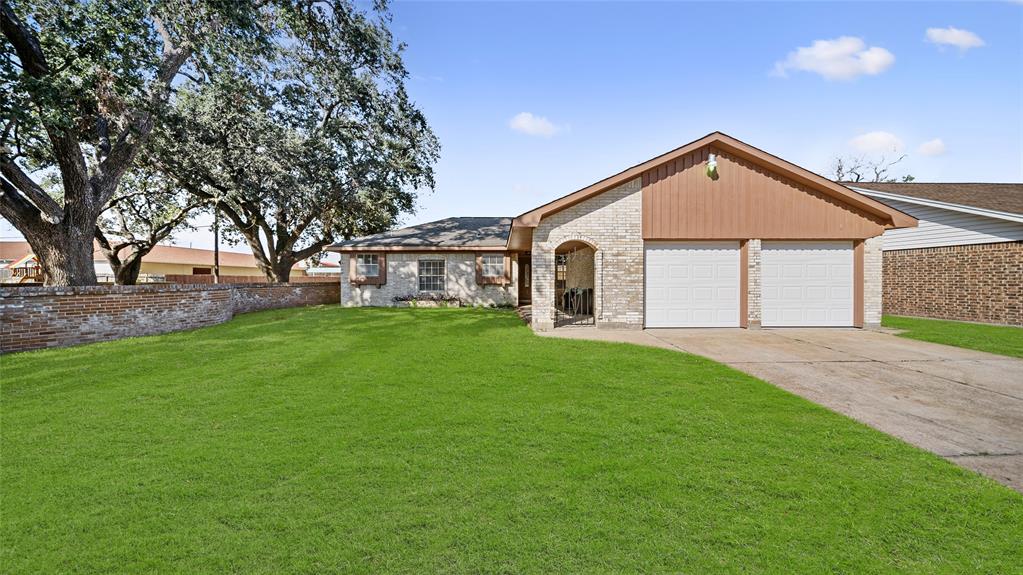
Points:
[(806, 283), (700, 289)]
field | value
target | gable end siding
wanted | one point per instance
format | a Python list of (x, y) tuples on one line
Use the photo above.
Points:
[(746, 201)]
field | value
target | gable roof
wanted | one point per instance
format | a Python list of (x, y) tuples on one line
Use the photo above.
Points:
[(446, 234), (893, 217), (997, 197)]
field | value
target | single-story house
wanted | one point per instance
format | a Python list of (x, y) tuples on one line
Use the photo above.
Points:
[(715, 233), (965, 259)]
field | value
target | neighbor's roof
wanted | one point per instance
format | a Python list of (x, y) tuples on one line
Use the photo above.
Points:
[(446, 234), (10, 251), (160, 254), (998, 197)]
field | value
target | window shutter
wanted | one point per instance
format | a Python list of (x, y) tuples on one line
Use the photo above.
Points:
[(479, 269)]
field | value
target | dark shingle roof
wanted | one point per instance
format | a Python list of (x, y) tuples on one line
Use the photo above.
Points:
[(1000, 197), (446, 233)]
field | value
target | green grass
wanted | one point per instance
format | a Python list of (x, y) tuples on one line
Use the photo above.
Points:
[(1000, 339), (422, 441)]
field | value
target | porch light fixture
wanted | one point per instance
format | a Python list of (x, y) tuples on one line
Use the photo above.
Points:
[(712, 166)]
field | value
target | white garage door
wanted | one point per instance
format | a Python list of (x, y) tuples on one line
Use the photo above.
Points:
[(807, 284), (692, 284)]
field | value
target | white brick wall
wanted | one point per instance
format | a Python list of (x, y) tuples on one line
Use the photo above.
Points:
[(753, 289), (611, 222), (403, 279), (872, 274)]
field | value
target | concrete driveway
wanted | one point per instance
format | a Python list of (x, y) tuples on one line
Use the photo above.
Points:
[(964, 405)]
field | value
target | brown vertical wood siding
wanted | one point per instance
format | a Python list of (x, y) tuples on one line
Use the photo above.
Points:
[(680, 202)]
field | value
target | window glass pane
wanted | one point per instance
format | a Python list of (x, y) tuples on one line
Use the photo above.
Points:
[(493, 265), (367, 265), (431, 275)]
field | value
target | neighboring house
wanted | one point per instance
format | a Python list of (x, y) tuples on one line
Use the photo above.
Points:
[(964, 261), (716, 233), (161, 261), (322, 269)]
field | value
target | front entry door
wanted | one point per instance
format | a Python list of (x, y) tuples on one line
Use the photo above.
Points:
[(525, 280)]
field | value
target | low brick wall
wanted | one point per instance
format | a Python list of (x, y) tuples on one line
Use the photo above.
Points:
[(40, 317), (208, 279), (982, 283)]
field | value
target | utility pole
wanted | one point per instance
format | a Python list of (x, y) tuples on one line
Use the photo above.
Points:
[(216, 244)]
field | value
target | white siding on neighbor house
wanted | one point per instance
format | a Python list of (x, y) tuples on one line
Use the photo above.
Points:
[(943, 227)]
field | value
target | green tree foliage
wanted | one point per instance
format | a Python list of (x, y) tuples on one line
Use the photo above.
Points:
[(316, 141), (82, 85)]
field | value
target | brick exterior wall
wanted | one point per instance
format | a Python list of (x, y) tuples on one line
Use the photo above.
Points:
[(612, 223), (753, 287), (873, 281), (403, 280), (970, 283), (42, 317)]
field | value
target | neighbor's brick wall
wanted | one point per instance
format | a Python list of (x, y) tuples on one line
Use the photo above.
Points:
[(971, 283), (403, 280), (613, 223), (41, 317)]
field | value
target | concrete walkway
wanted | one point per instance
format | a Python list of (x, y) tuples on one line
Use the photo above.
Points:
[(964, 405)]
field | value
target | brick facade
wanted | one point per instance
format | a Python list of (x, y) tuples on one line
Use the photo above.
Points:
[(873, 281), (41, 317), (403, 280), (612, 223), (970, 283), (753, 289)]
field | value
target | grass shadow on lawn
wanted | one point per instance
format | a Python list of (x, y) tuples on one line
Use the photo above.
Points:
[(407, 440)]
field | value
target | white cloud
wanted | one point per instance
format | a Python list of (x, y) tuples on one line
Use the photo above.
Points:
[(843, 58), (527, 123), (933, 147), (876, 143), (962, 39)]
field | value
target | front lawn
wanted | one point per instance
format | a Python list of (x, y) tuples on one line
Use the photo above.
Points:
[(425, 441), (1000, 339)]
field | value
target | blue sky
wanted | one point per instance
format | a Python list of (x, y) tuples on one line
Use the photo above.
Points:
[(621, 82), (598, 87)]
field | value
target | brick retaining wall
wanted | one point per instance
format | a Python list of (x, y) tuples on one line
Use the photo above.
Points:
[(40, 317), (982, 283)]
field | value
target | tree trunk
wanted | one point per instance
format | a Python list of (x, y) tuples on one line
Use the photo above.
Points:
[(65, 256), (127, 273), (280, 272)]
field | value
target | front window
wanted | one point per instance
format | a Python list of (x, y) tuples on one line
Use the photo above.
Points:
[(367, 265), (493, 265), (431, 275)]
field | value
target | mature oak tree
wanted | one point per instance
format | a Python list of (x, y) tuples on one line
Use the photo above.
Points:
[(82, 84), (316, 142), (147, 209)]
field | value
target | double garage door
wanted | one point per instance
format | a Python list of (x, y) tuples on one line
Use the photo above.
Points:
[(696, 284)]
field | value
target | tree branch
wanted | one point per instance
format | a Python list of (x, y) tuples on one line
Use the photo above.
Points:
[(48, 207), (25, 43)]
